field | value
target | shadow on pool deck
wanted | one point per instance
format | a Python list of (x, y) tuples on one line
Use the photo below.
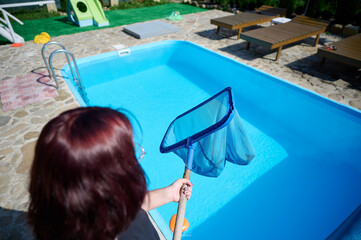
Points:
[(257, 51), (329, 72), (224, 33)]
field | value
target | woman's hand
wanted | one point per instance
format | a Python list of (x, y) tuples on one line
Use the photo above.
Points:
[(161, 196), (176, 187)]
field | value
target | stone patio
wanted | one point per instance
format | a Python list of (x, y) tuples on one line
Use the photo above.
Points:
[(20, 128)]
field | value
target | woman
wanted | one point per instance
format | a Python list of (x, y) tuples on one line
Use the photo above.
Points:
[(86, 182)]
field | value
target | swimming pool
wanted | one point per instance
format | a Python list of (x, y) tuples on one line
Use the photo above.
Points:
[(305, 179)]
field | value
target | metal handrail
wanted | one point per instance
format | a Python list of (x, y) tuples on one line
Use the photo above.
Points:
[(40, 3), (51, 71), (77, 77), (10, 15), (46, 63)]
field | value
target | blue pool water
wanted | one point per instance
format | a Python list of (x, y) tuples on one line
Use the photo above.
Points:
[(305, 179)]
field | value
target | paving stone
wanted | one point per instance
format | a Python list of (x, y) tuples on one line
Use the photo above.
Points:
[(4, 189), (328, 87), (18, 189), (69, 101), (5, 159), (22, 206), (38, 120), (30, 135), (21, 114), (3, 198), (4, 120), (24, 196), (341, 83), (355, 104), (6, 151), (15, 159), (14, 121), (28, 155), (4, 179), (314, 81), (43, 112), (336, 96), (321, 91), (4, 169), (34, 109), (63, 95), (13, 130)]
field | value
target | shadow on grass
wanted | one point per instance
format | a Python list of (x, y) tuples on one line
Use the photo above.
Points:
[(65, 20), (4, 42)]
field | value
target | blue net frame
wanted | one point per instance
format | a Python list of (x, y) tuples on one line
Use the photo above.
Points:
[(215, 130)]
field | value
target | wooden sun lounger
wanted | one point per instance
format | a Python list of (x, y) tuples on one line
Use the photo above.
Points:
[(301, 27), (246, 19), (348, 51)]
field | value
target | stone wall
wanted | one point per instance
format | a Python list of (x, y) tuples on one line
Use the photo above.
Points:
[(347, 30)]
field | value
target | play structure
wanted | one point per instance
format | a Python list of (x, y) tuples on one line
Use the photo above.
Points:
[(7, 29), (174, 16), (86, 13)]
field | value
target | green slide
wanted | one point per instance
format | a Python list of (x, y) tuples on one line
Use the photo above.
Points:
[(86, 13)]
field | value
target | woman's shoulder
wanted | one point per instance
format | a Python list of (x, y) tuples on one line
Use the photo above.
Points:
[(141, 228)]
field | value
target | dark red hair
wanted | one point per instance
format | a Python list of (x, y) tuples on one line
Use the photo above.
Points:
[(85, 182)]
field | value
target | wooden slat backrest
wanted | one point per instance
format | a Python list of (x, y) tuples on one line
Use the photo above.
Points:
[(269, 10), (282, 32), (310, 21)]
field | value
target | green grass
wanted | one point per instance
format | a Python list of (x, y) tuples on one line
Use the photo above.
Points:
[(34, 14), (57, 26), (136, 4)]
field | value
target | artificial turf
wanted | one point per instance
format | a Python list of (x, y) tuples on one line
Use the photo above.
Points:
[(57, 26)]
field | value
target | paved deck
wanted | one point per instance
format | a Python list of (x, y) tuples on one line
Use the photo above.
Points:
[(20, 128)]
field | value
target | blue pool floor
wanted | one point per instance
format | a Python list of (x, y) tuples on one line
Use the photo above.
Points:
[(289, 189)]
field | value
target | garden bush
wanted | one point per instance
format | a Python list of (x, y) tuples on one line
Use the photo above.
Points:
[(38, 13), (347, 11), (341, 11), (137, 4)]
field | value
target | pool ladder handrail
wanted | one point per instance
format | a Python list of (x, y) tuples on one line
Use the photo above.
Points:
[(46, 62), (50, 68)]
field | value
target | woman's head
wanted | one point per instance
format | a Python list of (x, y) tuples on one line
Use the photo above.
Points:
[(85, 182)]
